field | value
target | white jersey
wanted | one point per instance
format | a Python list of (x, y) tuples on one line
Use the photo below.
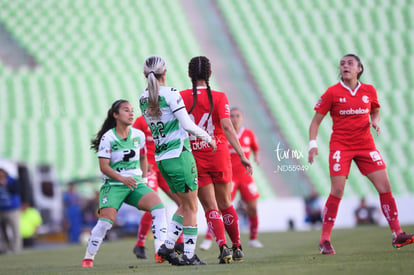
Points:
[(169, 136), (123, 154)]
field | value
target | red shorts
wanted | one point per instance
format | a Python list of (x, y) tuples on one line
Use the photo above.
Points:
[(213, 167), (368, 161), (247, 187), (156, 180)]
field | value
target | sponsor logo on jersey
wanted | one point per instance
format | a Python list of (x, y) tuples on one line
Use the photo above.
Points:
[(104, 200), (318, 103), (365, 99), (342, 99), (351, 111)]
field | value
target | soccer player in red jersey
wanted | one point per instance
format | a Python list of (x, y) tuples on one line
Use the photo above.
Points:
[(154, 181), (210, 110), (354, 109), (242, 181)]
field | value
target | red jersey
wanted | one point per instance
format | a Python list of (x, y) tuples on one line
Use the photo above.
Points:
[(142, 125), (200, 115), (248, 143), (350, 112)]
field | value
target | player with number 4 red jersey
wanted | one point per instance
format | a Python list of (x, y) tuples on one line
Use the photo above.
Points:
[(354, 109), (210, 110)]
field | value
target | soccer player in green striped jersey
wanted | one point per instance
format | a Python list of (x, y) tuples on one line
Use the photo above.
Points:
[(166, 115), (123, 163)]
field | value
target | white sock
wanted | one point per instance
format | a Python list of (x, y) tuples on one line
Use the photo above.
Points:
[(190, 240), (174, 231), (97, 235), (159, 227)]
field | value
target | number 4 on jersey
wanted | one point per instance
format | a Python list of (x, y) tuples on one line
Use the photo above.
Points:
[(210, 127)]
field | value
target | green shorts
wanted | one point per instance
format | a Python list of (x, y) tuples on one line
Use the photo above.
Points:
[(180, 173), (113, 195)]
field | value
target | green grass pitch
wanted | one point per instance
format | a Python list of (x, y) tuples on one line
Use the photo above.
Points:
[(364, 250)]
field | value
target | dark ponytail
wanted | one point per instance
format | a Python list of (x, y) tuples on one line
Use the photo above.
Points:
[(109, 123), (199, 68)]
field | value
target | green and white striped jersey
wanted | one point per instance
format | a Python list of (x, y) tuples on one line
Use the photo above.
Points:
[(123, 154), (169, 137)]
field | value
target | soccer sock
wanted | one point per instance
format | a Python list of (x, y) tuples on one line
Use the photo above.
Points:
[(190, 240), (329, 215), (216, 226), (209, 234), (97, 235), (231, 223), (180, 239), (159, 225), (254, 225), (144, 227), (175, 229), (389, 209)]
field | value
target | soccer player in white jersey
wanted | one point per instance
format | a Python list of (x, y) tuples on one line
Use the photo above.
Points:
[(123, 163), (165, 113), (354, 109)]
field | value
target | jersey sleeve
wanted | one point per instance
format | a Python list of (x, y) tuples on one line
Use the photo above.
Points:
[(175, 101), (104, 148), (324, 103), (223, 107), (254, 145), (374, 102)]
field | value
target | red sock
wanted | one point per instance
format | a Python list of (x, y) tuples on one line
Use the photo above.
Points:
[(389, 209), (180, 239), (216, 226), (254, 225), (329, 215), (209, 234), (231, 223), (144, 228)]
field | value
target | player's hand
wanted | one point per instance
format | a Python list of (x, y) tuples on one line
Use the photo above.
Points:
[(213, 145), (246, 163), (312, 154), (376, 127), (130, 182)]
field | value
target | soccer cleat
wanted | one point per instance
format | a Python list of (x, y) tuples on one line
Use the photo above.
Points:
[(168, 254), (225, 256), (205, 245), (158, 259), (179, 248), (87, 263), (139, 251), (326, 248), (238, 255), (255, 243), (193, 261), (403, 239)]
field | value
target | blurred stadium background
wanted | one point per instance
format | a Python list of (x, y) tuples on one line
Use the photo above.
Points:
[(62, 63)]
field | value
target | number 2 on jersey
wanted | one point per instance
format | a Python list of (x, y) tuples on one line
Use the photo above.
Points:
[(157, 129)]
